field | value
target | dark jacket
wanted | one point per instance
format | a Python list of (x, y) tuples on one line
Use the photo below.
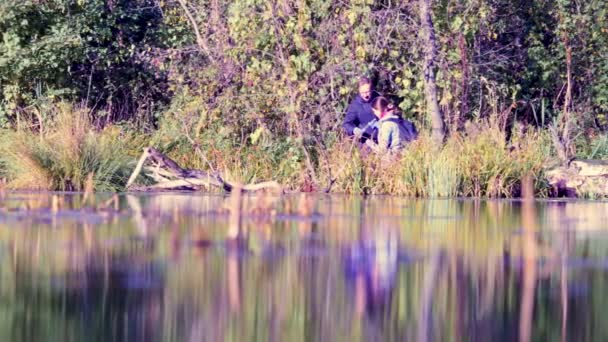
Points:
[(359, 114)]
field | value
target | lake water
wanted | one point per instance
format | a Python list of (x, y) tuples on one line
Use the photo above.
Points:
[(179, 267)]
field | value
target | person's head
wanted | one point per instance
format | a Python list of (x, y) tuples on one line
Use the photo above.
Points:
[(380, 106), (365, 88)]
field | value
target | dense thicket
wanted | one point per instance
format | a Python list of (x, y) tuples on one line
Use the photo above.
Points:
[(291, 65), (247, 72), (95, 51)]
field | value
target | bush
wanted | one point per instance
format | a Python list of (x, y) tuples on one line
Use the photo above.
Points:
[(595, 147)]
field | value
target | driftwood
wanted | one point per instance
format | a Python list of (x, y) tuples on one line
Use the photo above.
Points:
[(168, 175), (580, 178)]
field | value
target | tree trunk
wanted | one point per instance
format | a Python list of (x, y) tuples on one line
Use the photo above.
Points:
[(202, 43), (464, 83), (170, 176), (568, 98), (430, 88)]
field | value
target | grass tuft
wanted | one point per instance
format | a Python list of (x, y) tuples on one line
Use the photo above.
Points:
[(64, 155)]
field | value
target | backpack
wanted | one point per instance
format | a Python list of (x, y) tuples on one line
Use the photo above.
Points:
[(407, 129)]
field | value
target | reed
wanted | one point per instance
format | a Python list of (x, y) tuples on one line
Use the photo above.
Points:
[(478, 162), (65, 154), (477, 165)]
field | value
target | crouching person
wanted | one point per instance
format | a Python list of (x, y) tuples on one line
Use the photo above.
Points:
[(394, 132)]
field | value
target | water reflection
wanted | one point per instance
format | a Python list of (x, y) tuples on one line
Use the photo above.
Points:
[(304, 267)]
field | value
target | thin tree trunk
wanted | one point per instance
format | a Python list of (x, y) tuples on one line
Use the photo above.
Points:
[(568, 97), (202, 44), (559, 145), (293, 100), (464, 84), (563, 141), (430, 87)]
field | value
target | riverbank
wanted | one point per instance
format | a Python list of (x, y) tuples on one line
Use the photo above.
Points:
[(71, 153), (266, 102)]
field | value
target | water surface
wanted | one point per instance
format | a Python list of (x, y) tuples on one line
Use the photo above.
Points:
[(178, 267)]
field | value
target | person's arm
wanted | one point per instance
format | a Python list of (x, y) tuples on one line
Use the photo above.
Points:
[(413, 131), (412, 134), (351, 120)]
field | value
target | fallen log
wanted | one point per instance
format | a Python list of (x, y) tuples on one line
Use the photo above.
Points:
[(581, 178), (168, 175)]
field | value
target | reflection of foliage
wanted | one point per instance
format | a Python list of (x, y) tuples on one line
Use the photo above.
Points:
[(49, 292)]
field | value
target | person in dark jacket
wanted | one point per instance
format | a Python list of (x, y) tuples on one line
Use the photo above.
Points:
[(359, 115)]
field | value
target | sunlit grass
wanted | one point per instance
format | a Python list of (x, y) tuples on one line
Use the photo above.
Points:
[(478, 165), (62, 157)]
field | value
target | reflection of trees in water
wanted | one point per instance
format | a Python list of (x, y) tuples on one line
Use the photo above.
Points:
[(434, 270), (116, 297)]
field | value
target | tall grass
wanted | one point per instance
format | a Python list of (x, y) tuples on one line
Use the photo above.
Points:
[(238, 158), (595, 147), (476, 164), (63, 155)]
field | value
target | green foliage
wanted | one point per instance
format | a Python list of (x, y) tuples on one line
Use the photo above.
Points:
[(593, 147), (292, 67), (91, 51), (256, 157)]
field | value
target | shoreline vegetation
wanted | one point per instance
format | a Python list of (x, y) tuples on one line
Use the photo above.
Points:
[(73, 154), (256, 91), (480, 164)]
